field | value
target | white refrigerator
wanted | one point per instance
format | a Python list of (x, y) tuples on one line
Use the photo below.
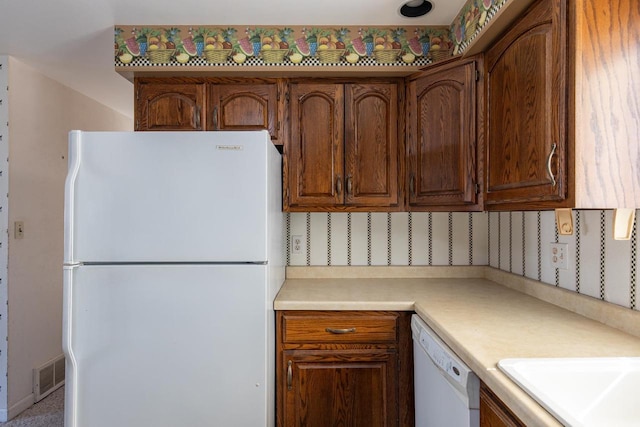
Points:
[(174, 252)]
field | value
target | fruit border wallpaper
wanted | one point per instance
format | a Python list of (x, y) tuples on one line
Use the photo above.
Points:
[(299, 46), (284, 46), (473, 16)]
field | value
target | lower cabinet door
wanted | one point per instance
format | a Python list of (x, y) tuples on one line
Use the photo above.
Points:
[(349, 388)]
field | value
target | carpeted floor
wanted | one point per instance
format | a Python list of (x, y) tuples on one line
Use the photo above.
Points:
[(49, 412)]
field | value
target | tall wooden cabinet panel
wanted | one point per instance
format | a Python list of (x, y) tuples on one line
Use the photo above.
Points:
[(315, 151), (371, 144), (343, 151), (526, 109), (248, 105), (443, 141), (170, 106), (344, 368)]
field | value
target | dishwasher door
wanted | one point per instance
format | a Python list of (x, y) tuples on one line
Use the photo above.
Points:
[(447, 392)]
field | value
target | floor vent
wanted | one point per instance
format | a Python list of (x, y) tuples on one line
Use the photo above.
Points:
[(48, 377)]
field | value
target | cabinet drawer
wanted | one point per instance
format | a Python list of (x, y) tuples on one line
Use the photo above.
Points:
[(331, 327)]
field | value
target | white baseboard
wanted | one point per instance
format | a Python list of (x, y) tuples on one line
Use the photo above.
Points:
[(16, 409)]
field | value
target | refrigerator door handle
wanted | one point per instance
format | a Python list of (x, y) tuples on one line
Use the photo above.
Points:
[(69, 200), (71, 387)]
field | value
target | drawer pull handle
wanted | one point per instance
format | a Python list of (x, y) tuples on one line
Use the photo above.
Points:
[(341, 331), (289, 375)]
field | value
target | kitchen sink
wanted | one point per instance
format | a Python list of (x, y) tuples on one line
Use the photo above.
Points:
[(582, 391)]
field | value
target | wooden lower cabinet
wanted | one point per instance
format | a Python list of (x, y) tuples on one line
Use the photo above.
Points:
[(344, 368), (493, 412)]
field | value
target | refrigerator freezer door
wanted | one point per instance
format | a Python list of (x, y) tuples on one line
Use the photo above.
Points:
[(167, 346), (170, 196)]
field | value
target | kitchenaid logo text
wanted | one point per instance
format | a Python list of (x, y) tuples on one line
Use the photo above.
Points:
[(230, 147)]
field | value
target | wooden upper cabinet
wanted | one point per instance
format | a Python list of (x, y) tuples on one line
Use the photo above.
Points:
[(232, 104), (443, 138), (343, 151), (526, 110), (249, 105), (169, 106), (371, 144), (315, 150), (562, 117)]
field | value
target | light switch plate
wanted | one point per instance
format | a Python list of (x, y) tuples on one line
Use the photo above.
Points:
[(559, 255), (18, 229)]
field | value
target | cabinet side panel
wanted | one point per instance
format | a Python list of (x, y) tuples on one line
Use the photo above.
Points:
[(607, 88)]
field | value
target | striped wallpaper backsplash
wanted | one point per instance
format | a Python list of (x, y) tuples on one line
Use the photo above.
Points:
[(517, 242)]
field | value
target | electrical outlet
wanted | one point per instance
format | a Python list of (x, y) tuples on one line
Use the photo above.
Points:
[(297, 242), (559, 255)]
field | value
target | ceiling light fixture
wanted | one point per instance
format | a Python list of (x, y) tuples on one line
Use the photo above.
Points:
[(415, 8)]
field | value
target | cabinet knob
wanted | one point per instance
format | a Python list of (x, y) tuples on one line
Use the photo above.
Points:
[(349, 185), (289, 375), (549, 171), (338, 185), (215, 118)]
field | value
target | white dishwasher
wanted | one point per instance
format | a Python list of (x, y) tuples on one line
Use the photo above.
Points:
[(447, 392)]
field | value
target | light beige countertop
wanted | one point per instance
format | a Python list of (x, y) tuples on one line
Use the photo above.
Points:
[(483, 314)]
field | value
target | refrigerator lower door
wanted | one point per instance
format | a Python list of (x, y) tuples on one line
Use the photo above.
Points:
[(168, 345)]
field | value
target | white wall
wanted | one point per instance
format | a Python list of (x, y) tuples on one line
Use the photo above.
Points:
[(517, 242), (4, 221), (41, 113)]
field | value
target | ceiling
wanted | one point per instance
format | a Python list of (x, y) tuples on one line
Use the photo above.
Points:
[(71, 41)]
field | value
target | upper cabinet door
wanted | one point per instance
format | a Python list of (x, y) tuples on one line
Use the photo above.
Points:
[(371, 144), (252, 105), (315, 150), (442, 138), (526, 116), (170, 106)]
